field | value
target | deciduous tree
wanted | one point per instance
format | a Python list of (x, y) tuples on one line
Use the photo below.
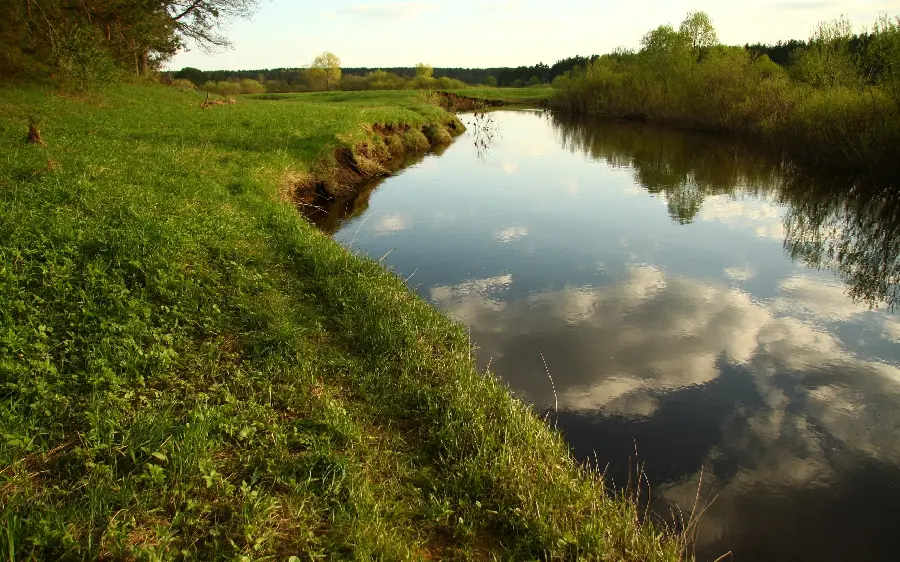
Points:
[(698, 29), (327, 69), (424, 70)]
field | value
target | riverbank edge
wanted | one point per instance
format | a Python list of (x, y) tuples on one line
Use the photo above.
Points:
[(393, 386), (344, 170), (796, 147), (454, 102)]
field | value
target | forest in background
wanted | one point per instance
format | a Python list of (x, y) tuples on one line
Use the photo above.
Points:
[(306, 79), (833, 102)]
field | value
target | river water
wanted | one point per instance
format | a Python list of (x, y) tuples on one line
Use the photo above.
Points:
[(693, 300)]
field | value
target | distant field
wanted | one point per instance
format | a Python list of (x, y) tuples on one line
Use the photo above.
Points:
[(406, 99), (412, 98), (509, 95)]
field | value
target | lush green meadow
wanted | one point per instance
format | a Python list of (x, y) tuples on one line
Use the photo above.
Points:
[(534, 95), (190, 370), (413, 100), (410, 98)]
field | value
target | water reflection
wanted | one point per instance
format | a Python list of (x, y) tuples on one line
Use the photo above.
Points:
[(330, 213), (729, 329), (855, 233), (847, 226)]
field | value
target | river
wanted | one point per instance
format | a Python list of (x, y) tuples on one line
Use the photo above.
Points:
[(675, 298)]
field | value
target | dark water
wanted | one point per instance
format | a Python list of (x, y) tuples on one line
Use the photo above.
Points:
[(695, 300)]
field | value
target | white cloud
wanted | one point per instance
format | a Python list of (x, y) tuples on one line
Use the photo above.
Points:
[(470, 299), (511, 234), (483, 287), (725, 209), (611, 354), (391, 223), (808, 296), (621, 348), (510, 168), (891, 329), (759, 216), (740, 274), (618, 346), (774, 231)]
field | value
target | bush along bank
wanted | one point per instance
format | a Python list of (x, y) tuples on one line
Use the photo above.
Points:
[(190, 370), (835, 107)]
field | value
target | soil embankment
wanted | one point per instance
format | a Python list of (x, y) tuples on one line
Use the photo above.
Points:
[(348, 169)]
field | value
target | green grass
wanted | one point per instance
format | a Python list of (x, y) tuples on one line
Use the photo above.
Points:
[(410, 98), (190, 370), (510, 96), (406, 99)]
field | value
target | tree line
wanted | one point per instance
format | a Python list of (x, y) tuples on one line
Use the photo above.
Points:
[(307, 78), (834, 102)]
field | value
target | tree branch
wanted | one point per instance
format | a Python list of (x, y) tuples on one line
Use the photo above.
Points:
[(194, 5)]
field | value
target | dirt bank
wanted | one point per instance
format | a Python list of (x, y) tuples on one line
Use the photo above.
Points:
[(348, 169)]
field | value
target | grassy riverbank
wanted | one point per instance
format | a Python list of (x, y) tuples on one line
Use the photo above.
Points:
[(535, 95), (190, 370)]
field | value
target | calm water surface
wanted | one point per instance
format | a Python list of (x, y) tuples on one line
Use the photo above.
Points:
[(693, 300)]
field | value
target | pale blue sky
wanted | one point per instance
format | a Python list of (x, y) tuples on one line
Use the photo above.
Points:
[(485, 33)]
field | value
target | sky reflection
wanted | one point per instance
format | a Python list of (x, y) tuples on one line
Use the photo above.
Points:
[(692, 298)]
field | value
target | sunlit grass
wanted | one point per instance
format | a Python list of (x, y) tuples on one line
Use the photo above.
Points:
[(190, 370), (530, 95)]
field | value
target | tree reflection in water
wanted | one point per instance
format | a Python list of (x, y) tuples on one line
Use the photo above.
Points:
[(844, 225)]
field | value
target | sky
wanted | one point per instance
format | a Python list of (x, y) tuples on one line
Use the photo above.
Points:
[(496, 33)]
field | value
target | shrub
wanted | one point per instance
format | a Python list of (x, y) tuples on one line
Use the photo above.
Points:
[(819, 110), (245, 86), (81, 61), (249, 86), (182, 84), (447, 83)]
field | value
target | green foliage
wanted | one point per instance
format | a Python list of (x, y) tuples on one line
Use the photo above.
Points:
[(828, 61), (81, 60), (447, 83), (83, 38), (189, 370), (245, 86), (490, 81), (249, 86), (325, 71), (195, 75), (424, 71), (698, 29), (884, 57), (826, 110), (182, 84), (381, 80)]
